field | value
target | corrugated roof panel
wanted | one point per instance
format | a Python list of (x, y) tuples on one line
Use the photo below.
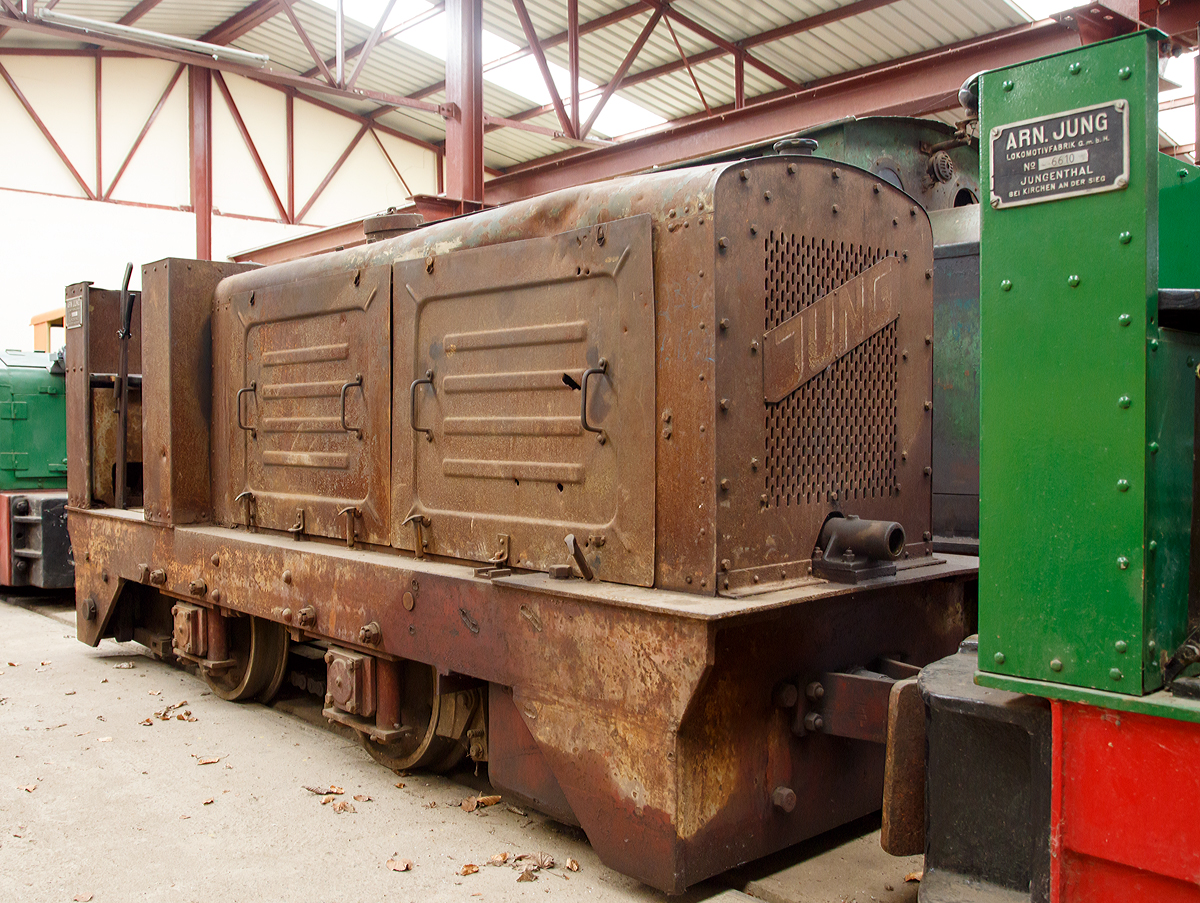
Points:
[(894, 31), (184, 18)]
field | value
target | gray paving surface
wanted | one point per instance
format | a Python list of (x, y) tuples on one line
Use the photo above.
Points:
[(93, 801)]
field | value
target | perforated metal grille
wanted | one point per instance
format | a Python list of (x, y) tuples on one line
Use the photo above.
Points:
[(837, 432)]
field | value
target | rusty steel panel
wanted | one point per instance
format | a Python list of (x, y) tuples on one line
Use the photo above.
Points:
[(92, 318), (845, 428), (903, 830), (525, 400), (306, 399), (104, 426), (177, 347)]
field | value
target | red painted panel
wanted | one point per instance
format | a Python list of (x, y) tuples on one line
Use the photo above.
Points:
[(1098, 881), (1126, 794), (5, 539)]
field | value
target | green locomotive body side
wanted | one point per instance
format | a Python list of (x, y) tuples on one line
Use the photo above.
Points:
[(33, 423)]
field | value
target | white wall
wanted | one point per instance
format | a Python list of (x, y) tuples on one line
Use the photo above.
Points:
[(47, 243), (51, 235)]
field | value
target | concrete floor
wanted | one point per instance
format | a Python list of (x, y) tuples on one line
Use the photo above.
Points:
[(95, 802)]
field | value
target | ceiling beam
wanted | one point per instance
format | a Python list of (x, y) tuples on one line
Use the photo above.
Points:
[(834, 15), (138, 11), (539, 55), (268, 75), (911, 81), (352, 52), (709, 35), (241, 22), (619, 75)]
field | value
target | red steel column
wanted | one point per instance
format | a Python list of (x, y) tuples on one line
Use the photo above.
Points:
[(464, 90), (200, 127)]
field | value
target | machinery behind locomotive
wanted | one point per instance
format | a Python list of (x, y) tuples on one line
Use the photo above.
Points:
[(34, 548), (624, 490)]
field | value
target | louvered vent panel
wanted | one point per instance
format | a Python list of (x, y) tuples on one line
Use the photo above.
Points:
[(837, 432)]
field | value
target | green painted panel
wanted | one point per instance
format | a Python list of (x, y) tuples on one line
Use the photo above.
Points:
[(1161, 704), (1170, 427), (1178, 203), (33, 427), (1065, 320)]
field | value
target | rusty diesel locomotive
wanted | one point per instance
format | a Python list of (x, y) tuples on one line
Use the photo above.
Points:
[(624, 491)]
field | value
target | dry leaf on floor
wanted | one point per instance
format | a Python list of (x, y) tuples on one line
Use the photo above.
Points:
[(362, 798), (432, 804), (323, 791), (469, 869), (14, 664), (69, 693), (104, 681), (340, 806), (45, 664), (82, 898), (516, 811), (209, 801), (208, 760), (489, 800), (327, 800), (543, 860), (154, 693), (915, 876), (28, 788), (470, 804), (573, 865), (400, 784), (147, 723), (400, 865), (183, 817), (527, 875), (124, 666), (498, 859)]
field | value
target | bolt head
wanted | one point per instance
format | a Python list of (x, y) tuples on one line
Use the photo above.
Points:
[(998, 658), (1123, 563), (1056, 665), (784, 798)]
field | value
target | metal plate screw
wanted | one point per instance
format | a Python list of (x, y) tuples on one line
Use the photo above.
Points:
[(1008, 85), (998, 658), (1055, 664)]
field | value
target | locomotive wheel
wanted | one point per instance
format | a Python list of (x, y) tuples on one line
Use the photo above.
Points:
[(423, 711), (259, 652), (282, 644)]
